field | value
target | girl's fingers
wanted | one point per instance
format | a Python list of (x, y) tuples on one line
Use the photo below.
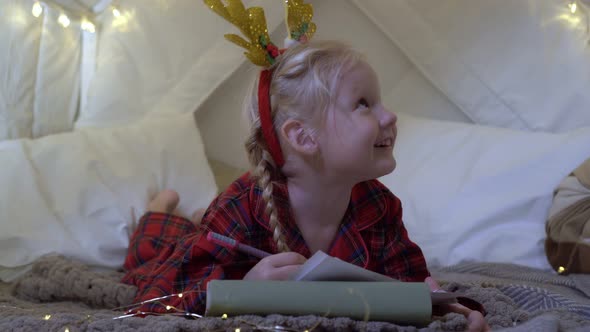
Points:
[(477, 323), (285, 258), (285, 272), (432, 283)]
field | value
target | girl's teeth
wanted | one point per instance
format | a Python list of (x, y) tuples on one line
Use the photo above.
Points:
[(386, 142)]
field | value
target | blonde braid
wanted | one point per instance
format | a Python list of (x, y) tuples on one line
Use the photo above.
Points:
[(265, 168)]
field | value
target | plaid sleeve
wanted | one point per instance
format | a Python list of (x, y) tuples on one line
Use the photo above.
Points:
[(402, 258)]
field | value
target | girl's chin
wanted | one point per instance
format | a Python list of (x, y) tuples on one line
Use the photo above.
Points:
[(387, 167)]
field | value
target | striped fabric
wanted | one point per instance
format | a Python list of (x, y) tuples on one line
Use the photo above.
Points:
[(531, 290), (534, 299), (167, 254)]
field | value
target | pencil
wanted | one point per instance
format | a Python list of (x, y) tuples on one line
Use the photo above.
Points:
[(233, 244)]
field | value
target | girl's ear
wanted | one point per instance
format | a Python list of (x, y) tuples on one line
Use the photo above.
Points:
[(299, 137)]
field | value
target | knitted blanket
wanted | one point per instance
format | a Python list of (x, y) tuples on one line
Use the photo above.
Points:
[(60, 294)]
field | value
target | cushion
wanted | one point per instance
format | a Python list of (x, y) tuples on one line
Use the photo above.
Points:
[(568, 225), (79, 194), (582, 173), (477, 193), (567, 246)]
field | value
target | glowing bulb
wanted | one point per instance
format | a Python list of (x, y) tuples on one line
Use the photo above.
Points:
[(573, 7), (37, 9), (47, 317), (168, 307), (561, 269), (88, 26), (63, 20), (180, 295), (67, 330), (116, 12), (224, 316), (237, 329)]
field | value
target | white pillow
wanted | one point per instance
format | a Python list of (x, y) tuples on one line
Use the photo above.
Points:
[(477, 193), (80, 193)]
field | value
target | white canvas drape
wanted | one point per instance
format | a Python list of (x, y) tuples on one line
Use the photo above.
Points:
[(516, 64), (39, 71)]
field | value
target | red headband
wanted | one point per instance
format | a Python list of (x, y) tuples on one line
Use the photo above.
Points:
[(268, 131), (263, 52)]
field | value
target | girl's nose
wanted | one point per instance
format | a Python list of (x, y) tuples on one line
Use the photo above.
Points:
[(388, 118)]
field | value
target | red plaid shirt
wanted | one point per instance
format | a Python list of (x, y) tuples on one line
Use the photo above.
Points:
[(167, 255)]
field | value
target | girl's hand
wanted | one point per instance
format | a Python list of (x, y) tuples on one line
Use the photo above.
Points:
[(476, 320), (276, 267)]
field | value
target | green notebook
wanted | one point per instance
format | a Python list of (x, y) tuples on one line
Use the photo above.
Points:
[(328, 286), (400, 302)]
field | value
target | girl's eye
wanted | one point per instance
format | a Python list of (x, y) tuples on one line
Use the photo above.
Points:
[(363, 103)]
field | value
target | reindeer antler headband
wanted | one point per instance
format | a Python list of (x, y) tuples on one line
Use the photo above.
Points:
[(261, 51)]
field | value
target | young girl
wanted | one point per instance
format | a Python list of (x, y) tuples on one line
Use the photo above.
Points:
[(312, 188)]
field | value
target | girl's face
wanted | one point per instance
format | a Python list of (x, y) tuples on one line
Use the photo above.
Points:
[(358, 135)]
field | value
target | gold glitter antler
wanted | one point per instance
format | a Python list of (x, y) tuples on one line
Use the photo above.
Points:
[(299, 24), (252, 23)]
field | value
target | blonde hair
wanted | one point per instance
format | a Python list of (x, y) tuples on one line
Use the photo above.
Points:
[(303, 83)]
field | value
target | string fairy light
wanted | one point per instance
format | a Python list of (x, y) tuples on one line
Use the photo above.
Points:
[(573, 6), (578, 15), (173, 311), (66, 17), (48, 317), (178, 313), (64, 20), (156, 299), (88, 26), (37, 9), (121, 17), (579, 10)]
